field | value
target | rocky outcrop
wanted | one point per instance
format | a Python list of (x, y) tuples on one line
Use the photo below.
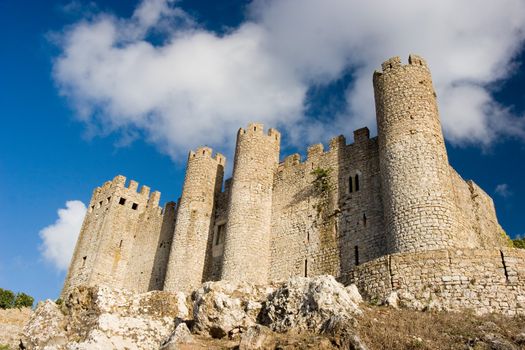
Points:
[(12, 322), (218, 315), (105, 318)]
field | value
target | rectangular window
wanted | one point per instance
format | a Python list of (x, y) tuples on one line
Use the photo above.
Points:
[(84, 261), (305, 267), (122, 201), (221, 233), (356, 255), (134, 206)]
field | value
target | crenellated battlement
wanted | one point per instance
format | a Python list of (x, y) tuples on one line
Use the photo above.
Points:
[(315, 152), (394, 63), (258, 129), (207, 152), (117, 191)]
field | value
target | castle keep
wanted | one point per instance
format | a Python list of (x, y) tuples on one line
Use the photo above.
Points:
[(387, 213)]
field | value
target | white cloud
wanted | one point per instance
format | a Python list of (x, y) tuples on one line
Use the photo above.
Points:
[(196, 87), (59, 239), (503, 190)]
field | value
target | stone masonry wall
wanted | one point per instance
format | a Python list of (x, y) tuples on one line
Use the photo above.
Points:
[(203, 181), (247, 243), (419, 207), (478, 220), (486, 280), (104, 250), (313, 236)]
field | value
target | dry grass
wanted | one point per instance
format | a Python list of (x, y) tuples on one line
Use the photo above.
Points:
[(387, 328)]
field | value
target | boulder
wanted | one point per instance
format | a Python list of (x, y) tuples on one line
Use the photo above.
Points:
[(223, 308), (318, 304), (106, 318)]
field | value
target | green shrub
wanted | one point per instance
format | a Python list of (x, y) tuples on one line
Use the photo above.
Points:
[(23, 300), (519, 243), (7, 299)]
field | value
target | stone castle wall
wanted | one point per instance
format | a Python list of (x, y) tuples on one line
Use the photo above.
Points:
[(391, 215), (419, 208), (119, 238), (486, 280), (204, 175), (247, 241)]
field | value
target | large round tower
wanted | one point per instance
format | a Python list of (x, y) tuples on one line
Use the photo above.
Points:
[(247, 243), (418, 198), (202, 182)]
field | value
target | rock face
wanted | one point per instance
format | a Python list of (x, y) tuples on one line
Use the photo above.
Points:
[(11, 324), (104, 318), (219, 315), (312, 304)]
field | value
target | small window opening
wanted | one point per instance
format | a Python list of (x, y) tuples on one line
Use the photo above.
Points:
[(356, 182), (308, 236), (122, 201), (305, 267), (254, 128), (203, 151), (84, 261), (100, 203), (134, 206), (356, 255), (221, 232), (364, 219), (92, 207), (120, 244), (350, 184), (109, 199)]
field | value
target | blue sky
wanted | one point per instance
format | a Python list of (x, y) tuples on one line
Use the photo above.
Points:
[(92, 89)]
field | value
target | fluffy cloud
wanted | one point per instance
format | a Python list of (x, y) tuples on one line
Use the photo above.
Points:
[(59, 239), (196, 86)]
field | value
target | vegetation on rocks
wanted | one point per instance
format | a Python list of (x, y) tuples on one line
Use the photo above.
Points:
[(519, 243)]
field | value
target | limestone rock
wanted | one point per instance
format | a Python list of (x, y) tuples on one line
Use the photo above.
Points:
[(182, 335), (12, 322), (392, 300), (46, 327), (223, 308), (258, 337), (318, 304), (105, 318)]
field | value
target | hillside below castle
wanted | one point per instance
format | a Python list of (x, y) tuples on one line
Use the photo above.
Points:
[(388, 214)]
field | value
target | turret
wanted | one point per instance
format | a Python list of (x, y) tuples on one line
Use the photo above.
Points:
[(417, 193), (104, 247), (204, 175), (247, 243)]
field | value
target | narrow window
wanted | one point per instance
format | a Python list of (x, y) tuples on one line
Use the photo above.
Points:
[(84, 261), (100, 203), (356, 182), (364, 219), (219, 239), (356, 254), (350, 184), (109, 199), (305, 267), (203, 151), (122, 201), (92, 207), (120, 244), (134, 206)]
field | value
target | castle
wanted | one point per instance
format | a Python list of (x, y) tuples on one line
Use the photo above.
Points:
[(387, 213)]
